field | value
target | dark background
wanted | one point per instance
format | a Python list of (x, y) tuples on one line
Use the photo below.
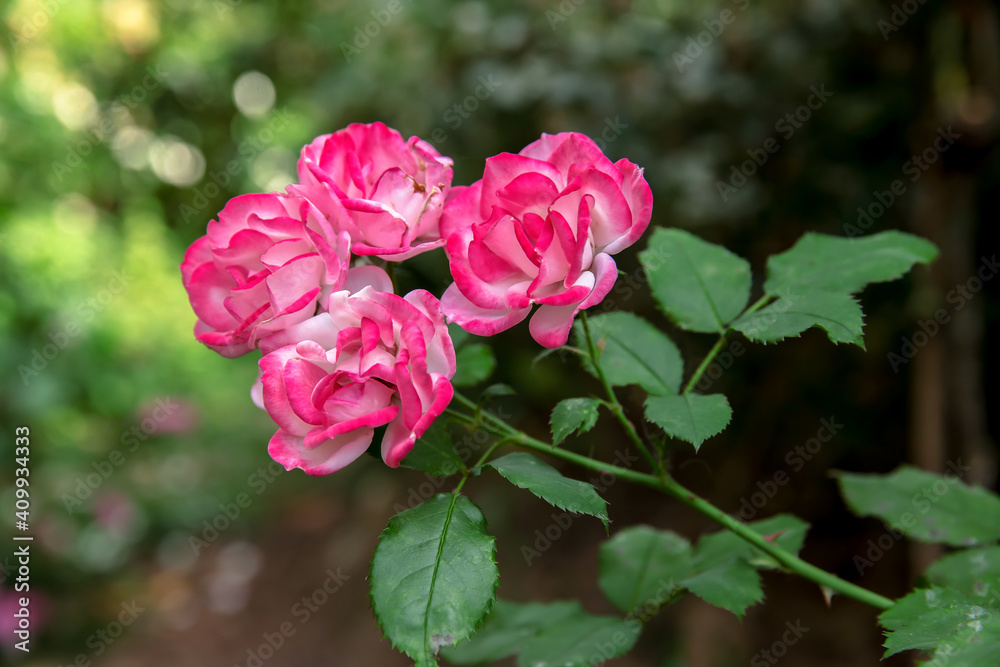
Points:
[(115, 115)]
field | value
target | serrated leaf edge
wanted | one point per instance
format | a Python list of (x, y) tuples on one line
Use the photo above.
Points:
[(853, 297), (490, 604), (706, 438), (579, 430), (605, 519)]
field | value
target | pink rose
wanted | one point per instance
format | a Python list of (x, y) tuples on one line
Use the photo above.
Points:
[(372, 359), (540, 228), (264, 265), (387, 193)]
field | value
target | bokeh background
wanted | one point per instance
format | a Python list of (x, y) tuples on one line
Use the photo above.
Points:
[(118, 119)]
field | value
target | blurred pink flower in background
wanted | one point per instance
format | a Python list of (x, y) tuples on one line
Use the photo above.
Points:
[(169, 415), (38, 613)]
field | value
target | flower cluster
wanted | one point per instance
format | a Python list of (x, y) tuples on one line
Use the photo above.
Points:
[(297, 276)]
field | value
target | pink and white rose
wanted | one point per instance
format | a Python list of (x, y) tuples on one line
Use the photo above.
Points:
[(264, 265), (387, 193), (371, 359), (540, 228)]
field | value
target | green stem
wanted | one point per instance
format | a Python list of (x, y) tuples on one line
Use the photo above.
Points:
[(757, 305), (466, 473), (790, 561), (613, 404), (484, 457), (704, 364)]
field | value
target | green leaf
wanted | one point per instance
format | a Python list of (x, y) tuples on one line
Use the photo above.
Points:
[(691, 417), (550, 351), (927, 617), (640, 567), (927, 507), (836, 264), (785, 530), (973, 646), (531, 473), (433, 576), (558, 634), (973, 572), (573, 414), (435, 453), (722, 569), (475, 363), (699, 285), (633, 351), (836, 313), (510, 624), (721, 576), (495, 391), (459, 336), (579, 641)]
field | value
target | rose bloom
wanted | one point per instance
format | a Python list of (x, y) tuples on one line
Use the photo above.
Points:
[(263, 265), (540, 228), (387, 193), (372, 359)]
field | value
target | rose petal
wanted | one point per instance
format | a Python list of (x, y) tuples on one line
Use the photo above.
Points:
[(323, 459), (477, 320), (503, 168), (550, 325), (399, 440), (640, 202), (461, 209)]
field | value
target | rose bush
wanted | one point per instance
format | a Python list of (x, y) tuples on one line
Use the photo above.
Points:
[(372, 359), (540, 228), (385, 192), (263, 265), (344, 356)]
